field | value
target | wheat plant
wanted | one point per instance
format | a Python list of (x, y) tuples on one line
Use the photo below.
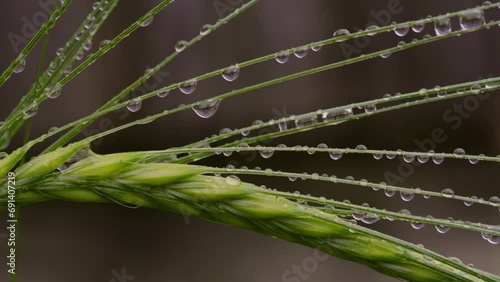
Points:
[(180, 179)]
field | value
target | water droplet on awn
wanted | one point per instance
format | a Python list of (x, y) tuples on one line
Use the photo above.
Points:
[(206, 109), (231, 73)]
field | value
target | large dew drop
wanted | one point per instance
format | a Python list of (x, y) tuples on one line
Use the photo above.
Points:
[(231, 73), (336, 154), (180, 46), (163, 94), (459, 152), (472, 19), (447, 193), (205, 29), (147, 21), (206, 109), (30, 111), (402, 29), (103, 43), (442, 26), (134, 105), (341, 32), (418, 27), (282, 57), (54, 92), (301, 52), (21, 66), (189, 86)]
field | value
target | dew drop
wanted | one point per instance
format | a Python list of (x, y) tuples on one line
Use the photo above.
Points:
[(31, 111), (370, 109), (402, 30), (103, 43), (358, 215), (408, 157), (407, 196), (163, 94), (301, 52), (134, 105), (336, 114), (447, 193), (180, 45), (3, 155), (442, 228), (390, 155), (95, 5), (385, 55), (80, 34), (147, 21), (495, 201), (438, 158), (378, 156), (80, 56), (322, 146), (390, 192), (370, 28), (282, 57), (21, 66), (417, 225), (88, 45), (423, 158), (473, 160), (206, 109), (472, 19), (54, 92), (90, 21), (361, 147), (469, 203), (205, 29), (231, 73), (442, 25), (233, 180), (459, 152), (336, 154), (306, 121), (189, 86), (370, 219), (316, 47), (341, 32), (282, 126), (418, 27), (266, 154)]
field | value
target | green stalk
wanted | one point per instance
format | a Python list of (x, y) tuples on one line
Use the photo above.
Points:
[(230, 201)]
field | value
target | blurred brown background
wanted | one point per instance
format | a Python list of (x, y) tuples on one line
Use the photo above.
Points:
[(62, 241)]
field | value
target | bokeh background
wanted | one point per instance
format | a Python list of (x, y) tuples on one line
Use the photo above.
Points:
[(61, 241)]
